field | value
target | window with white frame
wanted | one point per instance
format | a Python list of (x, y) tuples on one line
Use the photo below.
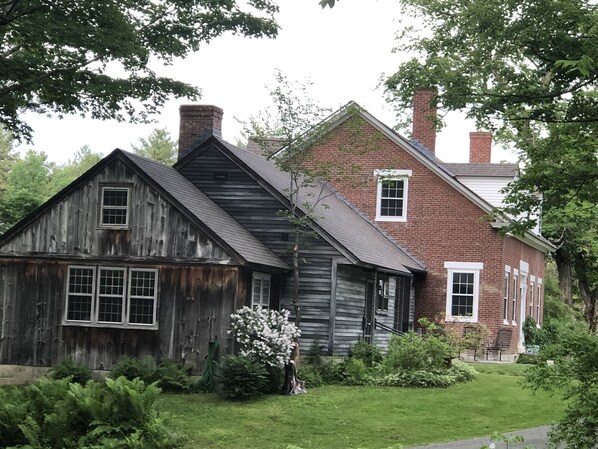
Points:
[(391, 198), (505, 305), (514, 297), (382, 300), (111, 296), (532, 286), (539, 301), (115, 207), (260, 292), (463, 289)]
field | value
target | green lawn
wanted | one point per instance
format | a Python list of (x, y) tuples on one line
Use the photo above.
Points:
[(366, 417)]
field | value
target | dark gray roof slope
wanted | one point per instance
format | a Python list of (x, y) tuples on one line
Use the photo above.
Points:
[(335, 217), (207, 212), (483, 170), (266, 146)]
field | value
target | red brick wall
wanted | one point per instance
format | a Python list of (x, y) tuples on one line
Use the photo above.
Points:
[(442, 224), (480, 147)]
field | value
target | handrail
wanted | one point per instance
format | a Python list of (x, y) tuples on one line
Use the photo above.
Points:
[(388, 328)]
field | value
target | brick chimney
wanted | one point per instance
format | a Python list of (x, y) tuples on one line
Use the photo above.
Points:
[(424, 117), (197, 120), (480, 147)]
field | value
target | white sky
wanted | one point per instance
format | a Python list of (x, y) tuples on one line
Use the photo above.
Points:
[(344, 51)]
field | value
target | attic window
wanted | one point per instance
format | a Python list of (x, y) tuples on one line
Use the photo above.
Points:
[(391, 200), (115, 207)]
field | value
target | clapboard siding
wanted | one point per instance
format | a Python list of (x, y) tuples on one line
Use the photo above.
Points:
[(350, 303), (382, 337), (157, 228), (194, 304), (259, 212)]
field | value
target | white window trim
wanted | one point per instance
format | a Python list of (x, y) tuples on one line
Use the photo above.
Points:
[(392, 175), (263, 277), (463, 267), (127, 207), (507, 302), (538, 301), (95, 298), (123, 297), (515, 290), (532, 295)]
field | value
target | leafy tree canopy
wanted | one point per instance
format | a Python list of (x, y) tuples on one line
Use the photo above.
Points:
[(159, 147), (94, 57)]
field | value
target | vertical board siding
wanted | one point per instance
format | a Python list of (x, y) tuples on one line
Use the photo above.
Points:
[(350, 303), (194, 305), (259, 212), (157, 228)]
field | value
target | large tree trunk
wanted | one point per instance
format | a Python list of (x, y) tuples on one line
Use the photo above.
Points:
[(564, 266), (589, 292)]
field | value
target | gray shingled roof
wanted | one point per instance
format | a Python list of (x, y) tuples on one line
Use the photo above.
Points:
[(207, 212), (266, 146), (485, 170), (354, 232)]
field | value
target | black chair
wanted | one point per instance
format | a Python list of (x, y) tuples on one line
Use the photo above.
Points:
[(502, 343)]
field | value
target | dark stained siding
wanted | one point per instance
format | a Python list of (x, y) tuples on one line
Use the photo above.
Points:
[(194, 306), (259, 212), (157, 228), (381, 337), (350, 303)]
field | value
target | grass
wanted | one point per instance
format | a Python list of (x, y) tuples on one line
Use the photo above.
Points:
[(366, 417)]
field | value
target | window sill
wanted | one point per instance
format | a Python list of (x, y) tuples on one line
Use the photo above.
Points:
[(397, 219), (513, 323), (461, 319), (114, 228), (149, 327), (505, 322), (382, 312)]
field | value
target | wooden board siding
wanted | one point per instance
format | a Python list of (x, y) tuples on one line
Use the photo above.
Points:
[(259, 212), (381, 337), (350, 303), (194, 304), (157, 228)]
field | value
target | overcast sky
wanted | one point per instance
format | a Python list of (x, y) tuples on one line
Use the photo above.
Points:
[(344, 51)]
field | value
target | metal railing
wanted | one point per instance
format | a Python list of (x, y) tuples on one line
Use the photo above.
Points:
[(386, 328)]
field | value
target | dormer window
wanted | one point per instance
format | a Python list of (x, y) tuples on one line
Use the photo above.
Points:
[(391, 200), (115, 207)]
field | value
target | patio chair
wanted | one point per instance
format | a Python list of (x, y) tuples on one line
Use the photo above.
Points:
[(502, 342)]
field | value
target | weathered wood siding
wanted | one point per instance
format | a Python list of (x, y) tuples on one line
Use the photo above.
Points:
[(157, 228), (350, 308), (259, 212), (194, 304)]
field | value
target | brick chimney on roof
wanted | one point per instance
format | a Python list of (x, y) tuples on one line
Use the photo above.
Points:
[(424, 117), (480, 147), (196, 121)]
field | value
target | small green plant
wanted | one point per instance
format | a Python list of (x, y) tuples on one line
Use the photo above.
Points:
[(170, 375), (133, 368), (356, 373), (241, 378), (368, 353), (69, 368), (311, 375), (507, 439)]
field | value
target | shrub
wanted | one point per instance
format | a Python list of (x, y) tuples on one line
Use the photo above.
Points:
[(311, 375), (368, 353), (77, 372), (462, 371), (169, 375), (274, 379), (242, 378), (59, 414), (333, 372), (355, 372), (531, 333), (418, 379), (528, 359), (132, 368), (264, 335)]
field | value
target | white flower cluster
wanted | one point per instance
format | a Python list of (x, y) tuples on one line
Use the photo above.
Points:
[(265, 336)]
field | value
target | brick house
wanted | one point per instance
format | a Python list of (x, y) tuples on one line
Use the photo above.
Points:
[(439, 213)]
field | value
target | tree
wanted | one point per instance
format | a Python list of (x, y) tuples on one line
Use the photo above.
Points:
[(62, 175), (291, 120), (527, 70), (95, 58), (159, 147), (7, 156)]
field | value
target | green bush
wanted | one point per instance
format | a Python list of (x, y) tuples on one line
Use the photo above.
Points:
[(169, 375), (462, 371), (311, 375), (531, 333), (274, 379), (418, 379), (59, 414), (406, 352), (241, 378), (77, 372), (368, 353), (356, 373), (528, 359)]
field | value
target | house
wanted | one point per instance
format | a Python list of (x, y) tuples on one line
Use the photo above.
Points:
[(440, 214), (135, 258)]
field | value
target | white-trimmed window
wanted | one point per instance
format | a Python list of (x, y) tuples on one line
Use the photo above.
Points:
[(532, 286), (382, 300), (260, 291), (539, 301), (111, 296), (391, 198), (114, 212), (463, 290), (514, 297), (505, 301)]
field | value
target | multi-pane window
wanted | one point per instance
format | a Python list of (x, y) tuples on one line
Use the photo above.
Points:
[(538, 301), (260, 292), (505, 301), (391, 202), (115, 207), (514, 298), (463, 284), (112, 296), (531, 297), (382, 300)]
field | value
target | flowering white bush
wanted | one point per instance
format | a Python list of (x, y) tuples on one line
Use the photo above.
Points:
[(265, 336)]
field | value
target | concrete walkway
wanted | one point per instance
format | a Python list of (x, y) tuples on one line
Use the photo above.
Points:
[(536, 438)]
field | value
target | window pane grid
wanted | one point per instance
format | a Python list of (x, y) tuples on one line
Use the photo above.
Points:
[(141, 292), (462, 298), (514, 301), (260, 296), (391, 198), (111, 295), (115, 206), (80, 293), (506, 297)]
